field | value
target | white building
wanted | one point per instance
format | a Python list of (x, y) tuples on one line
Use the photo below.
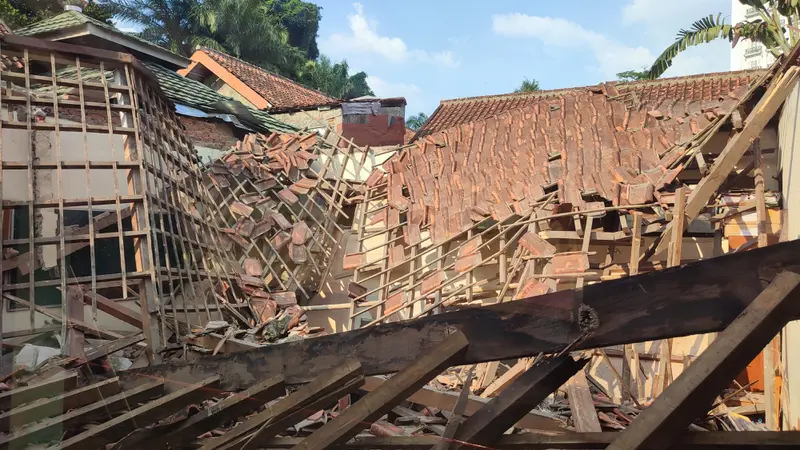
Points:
[(748, 54)]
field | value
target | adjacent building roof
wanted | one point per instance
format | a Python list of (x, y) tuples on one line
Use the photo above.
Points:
[(680, 89), (581, 143), (185, 91), (73, 25), (264, 89)]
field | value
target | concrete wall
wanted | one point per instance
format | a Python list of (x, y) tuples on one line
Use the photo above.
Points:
[(226, 90)]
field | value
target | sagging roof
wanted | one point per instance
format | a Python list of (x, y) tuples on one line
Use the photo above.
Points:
[(583, 142), (708, 86), (75, 25), (264, 89), (185, 91)]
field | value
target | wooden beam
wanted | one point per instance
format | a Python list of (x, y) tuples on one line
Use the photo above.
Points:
[(114, 309), (691, 440), (734, 150), (581, 404), (50, 388), (235, 406), (147, 414), (699, 297), (507, 378), (454, 422), (380, 401), (50, 407), (298, 405), (87, 330), (109, 348), (97, 411), (446, 400), (489, 423), (660, 424)]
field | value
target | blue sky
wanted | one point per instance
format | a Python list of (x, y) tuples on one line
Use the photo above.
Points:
[(431, 50)]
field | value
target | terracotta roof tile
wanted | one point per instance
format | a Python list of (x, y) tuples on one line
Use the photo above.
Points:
[(280, 92), (579, 143), (710, 86)]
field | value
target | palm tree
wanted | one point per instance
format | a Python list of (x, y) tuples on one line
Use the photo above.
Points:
[(334, 79), (766, 29), (527, 86), (168, 23)]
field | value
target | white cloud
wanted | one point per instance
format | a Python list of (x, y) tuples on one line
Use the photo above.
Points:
[(611, 56), (414, 96), (363, 38), (673, 15)]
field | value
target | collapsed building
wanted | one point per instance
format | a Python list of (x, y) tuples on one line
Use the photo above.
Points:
[(529, 249)]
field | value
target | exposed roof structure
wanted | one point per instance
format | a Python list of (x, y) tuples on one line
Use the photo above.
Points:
[(581, 142), (192, 93), (695, 87), (266, 90), (71, 25)]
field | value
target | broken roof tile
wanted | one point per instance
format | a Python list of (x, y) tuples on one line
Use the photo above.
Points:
[(301, 233), (569, 262)]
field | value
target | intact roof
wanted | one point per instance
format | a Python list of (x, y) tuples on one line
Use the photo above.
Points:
[(582, 142), (694, 87), (192, 93), (73, 19), (279, 92)]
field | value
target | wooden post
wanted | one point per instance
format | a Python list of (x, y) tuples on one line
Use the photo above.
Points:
[(662, 423)]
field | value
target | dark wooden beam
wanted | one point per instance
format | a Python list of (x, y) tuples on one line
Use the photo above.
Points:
[(380, 401), (696, 298), (114, 309), (50, 407), (237, 405), (145, 415), (108, 348), (50, 388), (700, 440), (320, 393), (489, 423), (98, 411), (660, 424)]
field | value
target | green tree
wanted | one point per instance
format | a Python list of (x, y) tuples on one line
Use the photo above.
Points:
[(528, 86), (301, 20), (171, 24), (766, 29), (634, 75), (334, 79), (19, 13), (416, 122)]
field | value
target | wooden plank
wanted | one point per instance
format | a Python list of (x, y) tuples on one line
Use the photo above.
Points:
[(699, 297), (380, 401), (733, 151), (581, 404), (74, 311), (691, 440), (319, 393), (142, 416), (97, 411), (228, 409), (507, 378), (109, 348), (489, 423), (454, 422), (50, 388), (115, 309), (660, 424), (50, 407)]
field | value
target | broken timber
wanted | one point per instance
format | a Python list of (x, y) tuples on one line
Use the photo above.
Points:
[(694, 391), (700, 297)]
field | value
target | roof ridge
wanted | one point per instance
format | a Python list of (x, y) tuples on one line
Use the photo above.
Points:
[(210, 50), (546, 92)]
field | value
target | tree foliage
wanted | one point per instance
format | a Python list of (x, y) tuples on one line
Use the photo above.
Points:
[(416, 122), (528, 86), (301, 20), (334, 79), (19, 13), (634, 75), (766, 29)]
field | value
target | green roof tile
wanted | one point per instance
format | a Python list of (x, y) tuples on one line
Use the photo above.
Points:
[(197, 95)]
